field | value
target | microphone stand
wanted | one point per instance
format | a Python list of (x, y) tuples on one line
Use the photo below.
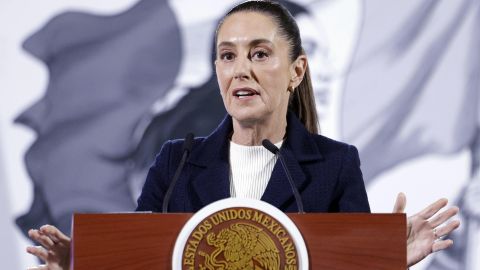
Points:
[(187, 147), (272, 148)]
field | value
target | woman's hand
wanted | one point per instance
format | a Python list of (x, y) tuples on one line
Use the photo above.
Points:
[(54, 249), (426, 229)]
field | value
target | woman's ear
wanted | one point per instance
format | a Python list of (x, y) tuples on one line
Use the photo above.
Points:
[(297, 70)]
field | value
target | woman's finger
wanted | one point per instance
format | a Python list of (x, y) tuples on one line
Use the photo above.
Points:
[(441, 244), (39, 267), (38, 251), (41, 238), (400, 203), (444, 216), (432, 209), (54, 233), (448, 228)]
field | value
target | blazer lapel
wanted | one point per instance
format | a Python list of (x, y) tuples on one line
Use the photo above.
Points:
[(212, 183), (278, 191), (299, 148)]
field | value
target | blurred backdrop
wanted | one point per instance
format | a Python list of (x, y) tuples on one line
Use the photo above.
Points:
[(90, 90)]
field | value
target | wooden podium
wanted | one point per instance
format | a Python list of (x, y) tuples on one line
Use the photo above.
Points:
[(146, 240)]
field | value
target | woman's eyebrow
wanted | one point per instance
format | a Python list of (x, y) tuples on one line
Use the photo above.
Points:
[(252, 43), (226, 44), (256, 42)]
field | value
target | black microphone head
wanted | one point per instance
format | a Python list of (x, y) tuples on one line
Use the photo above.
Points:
[(270, 146), (187, 144)]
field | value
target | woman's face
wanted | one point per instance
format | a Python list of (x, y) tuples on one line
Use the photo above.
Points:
[(253, 68)]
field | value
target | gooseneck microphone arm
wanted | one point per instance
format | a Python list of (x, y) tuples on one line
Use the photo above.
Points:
[(272, 148), (187, 147)]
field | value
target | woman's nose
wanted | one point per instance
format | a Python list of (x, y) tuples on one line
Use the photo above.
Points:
[(242, 68)]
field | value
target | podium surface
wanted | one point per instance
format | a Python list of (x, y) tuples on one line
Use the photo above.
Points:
[(146, 240)]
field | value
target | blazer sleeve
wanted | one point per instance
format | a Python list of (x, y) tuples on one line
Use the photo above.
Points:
[(156, 184), (350, 193)]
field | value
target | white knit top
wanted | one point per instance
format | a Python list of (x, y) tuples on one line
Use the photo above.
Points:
[(250, 170)]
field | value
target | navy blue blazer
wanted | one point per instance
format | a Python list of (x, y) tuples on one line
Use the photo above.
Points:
[(326, 173)]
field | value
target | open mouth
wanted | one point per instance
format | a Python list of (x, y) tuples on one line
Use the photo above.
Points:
[(244, 93)]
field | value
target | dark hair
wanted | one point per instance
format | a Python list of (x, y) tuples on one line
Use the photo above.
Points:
[(302, 101)]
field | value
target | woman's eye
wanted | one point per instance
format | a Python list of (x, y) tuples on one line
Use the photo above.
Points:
[(260, 55), (228, 56)]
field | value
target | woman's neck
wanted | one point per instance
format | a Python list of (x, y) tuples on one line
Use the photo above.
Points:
[(253, 133)]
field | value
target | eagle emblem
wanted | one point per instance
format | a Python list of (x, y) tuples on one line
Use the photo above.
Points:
[(241, 246)]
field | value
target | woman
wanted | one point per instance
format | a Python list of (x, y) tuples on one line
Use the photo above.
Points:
[(265, 86)]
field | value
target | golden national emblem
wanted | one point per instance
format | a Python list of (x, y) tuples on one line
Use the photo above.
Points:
[(239, 239), (240, 234)]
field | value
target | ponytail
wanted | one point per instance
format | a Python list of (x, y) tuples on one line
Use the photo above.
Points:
[(302, 104)]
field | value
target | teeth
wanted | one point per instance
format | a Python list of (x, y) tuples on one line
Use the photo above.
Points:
[(244, 93)]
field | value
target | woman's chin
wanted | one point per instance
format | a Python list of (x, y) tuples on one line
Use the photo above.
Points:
[(247, 116)]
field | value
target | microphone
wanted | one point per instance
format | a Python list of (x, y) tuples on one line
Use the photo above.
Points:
[(187, 147), (272, 148)]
